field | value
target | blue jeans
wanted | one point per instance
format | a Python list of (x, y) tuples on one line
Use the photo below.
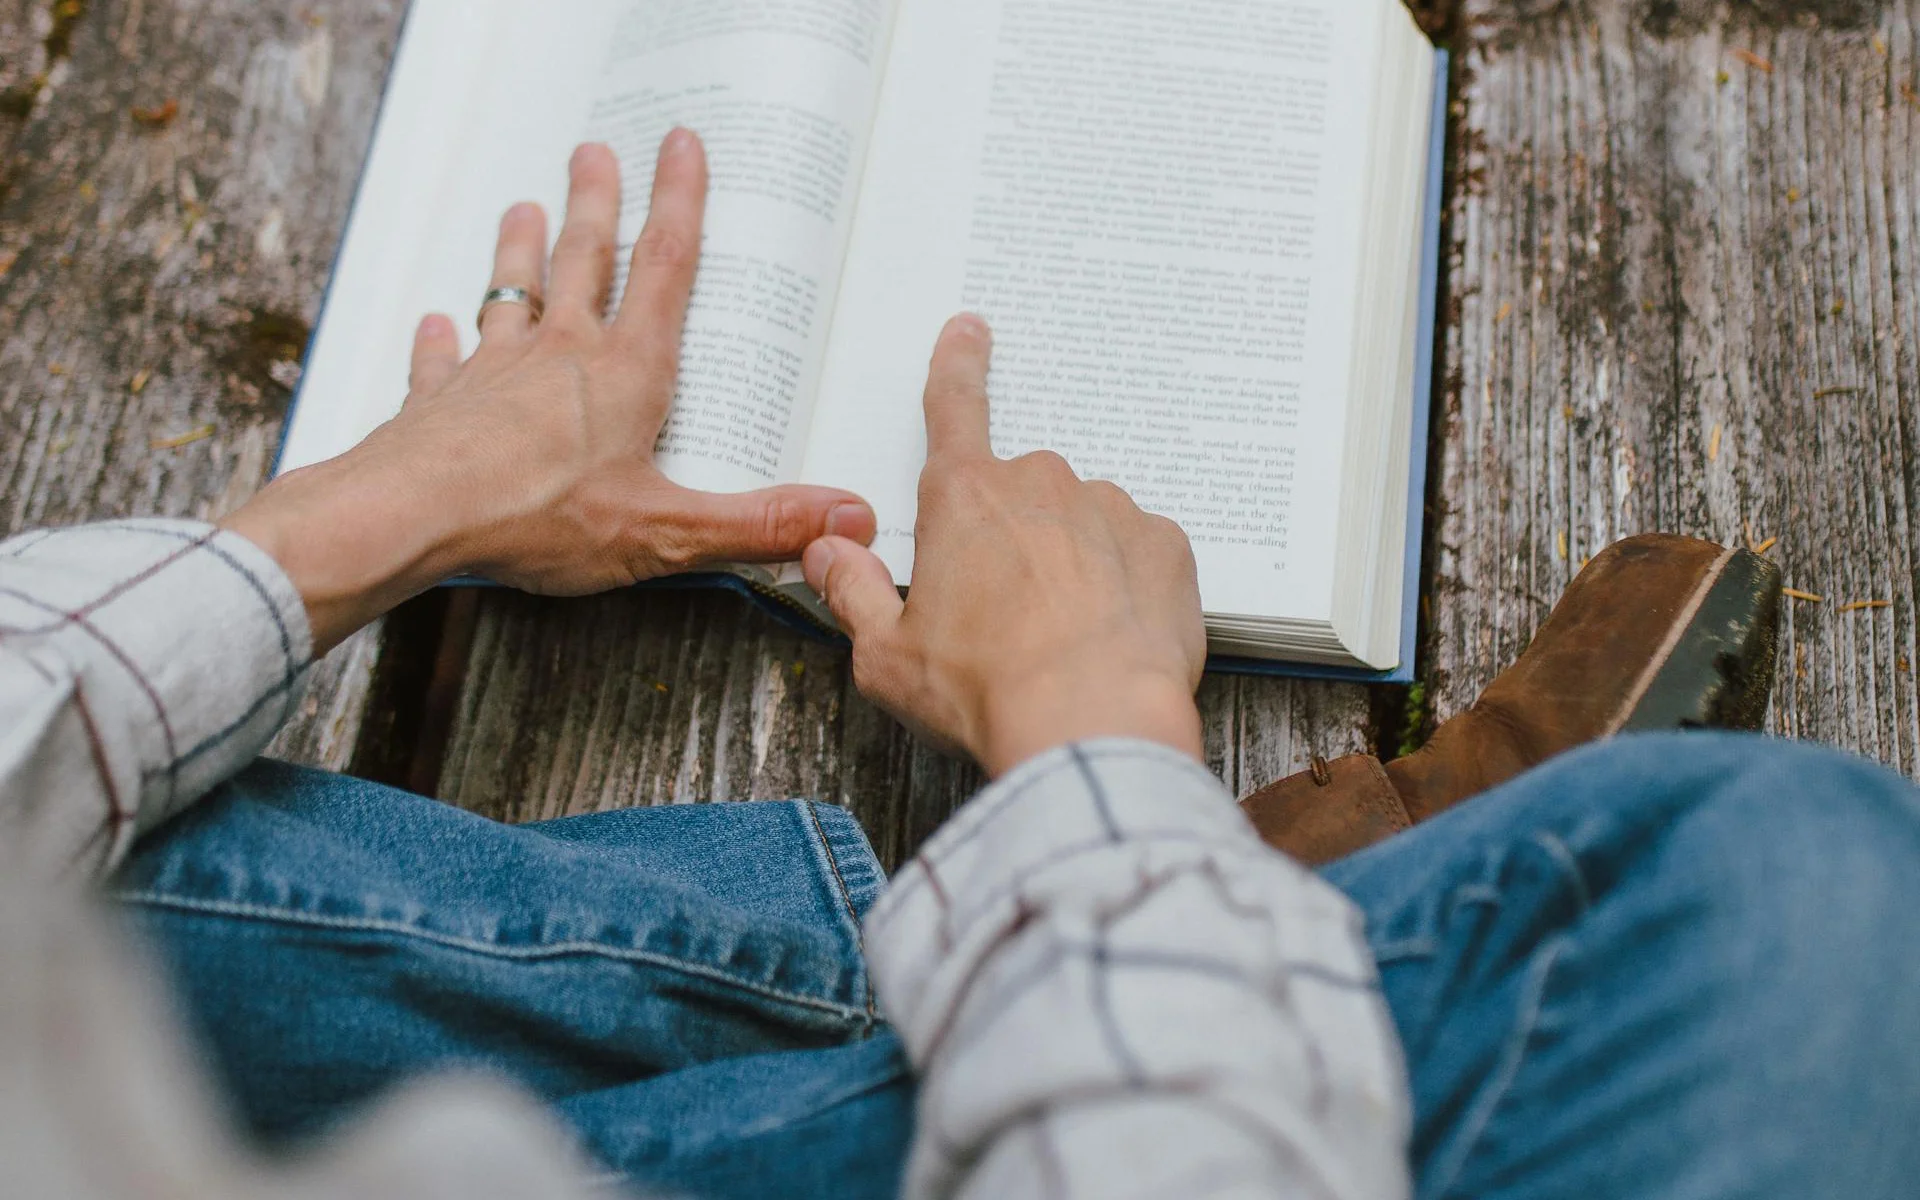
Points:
[(1667, 966)]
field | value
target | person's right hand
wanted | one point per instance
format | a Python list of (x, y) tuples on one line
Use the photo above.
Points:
[(1044, 610)]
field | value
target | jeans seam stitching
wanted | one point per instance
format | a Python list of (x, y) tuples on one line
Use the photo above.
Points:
[(548, 950), (846, 900)]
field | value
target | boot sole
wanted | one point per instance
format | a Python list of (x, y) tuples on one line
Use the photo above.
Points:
[(1719, 674)]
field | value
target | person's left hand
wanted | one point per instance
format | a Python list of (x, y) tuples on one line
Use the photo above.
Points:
[(532, 463)]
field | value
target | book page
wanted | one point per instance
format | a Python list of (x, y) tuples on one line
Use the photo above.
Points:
[(782, 92), (1157, 207), (496, 93)]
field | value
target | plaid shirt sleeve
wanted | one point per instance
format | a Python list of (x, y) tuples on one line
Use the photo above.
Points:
[(1111, 988), (141, 664)]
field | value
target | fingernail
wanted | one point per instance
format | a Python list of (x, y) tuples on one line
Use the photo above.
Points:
[(849, 520), (679, 142), (818, 564), (591, 151), (972, 324)]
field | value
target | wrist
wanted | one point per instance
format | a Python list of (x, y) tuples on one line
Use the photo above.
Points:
[(1027, 720), (356, 536)]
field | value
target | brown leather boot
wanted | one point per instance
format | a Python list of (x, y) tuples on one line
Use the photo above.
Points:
[(1657, 633)]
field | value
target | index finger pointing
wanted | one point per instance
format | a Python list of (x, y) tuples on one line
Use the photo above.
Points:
[(957, 412)]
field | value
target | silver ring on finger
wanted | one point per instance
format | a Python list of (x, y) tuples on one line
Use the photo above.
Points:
[(511, 295)]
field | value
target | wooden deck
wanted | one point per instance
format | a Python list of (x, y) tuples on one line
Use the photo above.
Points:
[(1683, 248)]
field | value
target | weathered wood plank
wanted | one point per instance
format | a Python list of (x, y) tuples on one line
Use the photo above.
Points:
[(624, 700), (31, 41), (579, 706), (325, 730), (1678, 229), (158, 277)]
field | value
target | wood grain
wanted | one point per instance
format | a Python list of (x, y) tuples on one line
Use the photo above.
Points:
[(579, 706), (158, 277), (1682, 289)]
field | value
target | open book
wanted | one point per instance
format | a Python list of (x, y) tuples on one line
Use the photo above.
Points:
[(1204, 235)]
